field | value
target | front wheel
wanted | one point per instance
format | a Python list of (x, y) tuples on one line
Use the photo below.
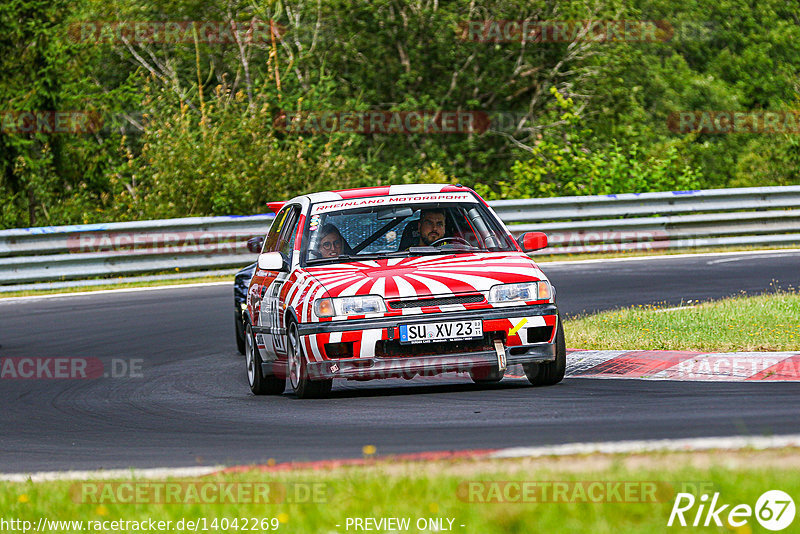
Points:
[(260, 384), (549, 373), (297, 368)]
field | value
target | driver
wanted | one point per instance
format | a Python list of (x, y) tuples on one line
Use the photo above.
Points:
[(331, 242), (431, 226)]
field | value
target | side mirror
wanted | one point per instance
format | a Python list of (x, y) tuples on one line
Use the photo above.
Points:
[(530, 241), (254, 244), (272, 261)]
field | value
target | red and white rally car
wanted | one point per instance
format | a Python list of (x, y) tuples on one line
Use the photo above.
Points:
[(397, 281)]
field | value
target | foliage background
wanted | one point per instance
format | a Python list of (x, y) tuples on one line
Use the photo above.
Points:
[(189, 127)]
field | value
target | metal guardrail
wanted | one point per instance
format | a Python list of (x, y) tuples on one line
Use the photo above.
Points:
[(85, 251), (757, 216), (602, 223)]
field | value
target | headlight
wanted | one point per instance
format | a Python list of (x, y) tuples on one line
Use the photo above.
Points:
[(349, 306), (527, 291)]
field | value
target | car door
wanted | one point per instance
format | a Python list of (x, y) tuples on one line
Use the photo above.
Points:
[(273, 284), (262, 279)]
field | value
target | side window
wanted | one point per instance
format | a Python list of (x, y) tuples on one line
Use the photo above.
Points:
[(288, 233), (271, 244)]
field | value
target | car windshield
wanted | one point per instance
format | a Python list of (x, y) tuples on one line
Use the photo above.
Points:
[(404, 225)]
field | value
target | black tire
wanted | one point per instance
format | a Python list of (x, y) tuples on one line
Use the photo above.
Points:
[(486, 375), (297, 370), (260, 384), (550, 373), (238, 326)]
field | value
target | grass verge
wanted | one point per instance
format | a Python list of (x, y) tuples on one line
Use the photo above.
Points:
[(768, 322), (598, 493)]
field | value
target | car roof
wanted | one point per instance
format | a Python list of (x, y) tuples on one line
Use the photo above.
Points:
[(364, 192), (404, 189)]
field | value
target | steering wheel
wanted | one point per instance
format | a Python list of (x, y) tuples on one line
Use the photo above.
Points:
[(456, 239)]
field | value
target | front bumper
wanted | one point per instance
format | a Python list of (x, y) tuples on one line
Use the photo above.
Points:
[(376, 368), (497, 313), (368, 363)]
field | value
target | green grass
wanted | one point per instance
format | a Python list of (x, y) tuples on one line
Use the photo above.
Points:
[(438, 490), (768, 322)]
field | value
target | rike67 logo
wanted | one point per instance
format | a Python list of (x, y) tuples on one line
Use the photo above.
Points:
[(774, 510)]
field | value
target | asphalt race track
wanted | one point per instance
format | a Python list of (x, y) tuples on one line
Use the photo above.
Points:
[(190, 404), (590, 287)]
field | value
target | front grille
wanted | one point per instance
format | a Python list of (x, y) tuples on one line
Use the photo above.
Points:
[(393, 348), (441, 301)]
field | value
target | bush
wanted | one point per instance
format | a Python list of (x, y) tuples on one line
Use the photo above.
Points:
[(561, 163)]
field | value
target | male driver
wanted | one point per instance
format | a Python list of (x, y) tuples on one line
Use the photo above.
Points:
[(431, 226)]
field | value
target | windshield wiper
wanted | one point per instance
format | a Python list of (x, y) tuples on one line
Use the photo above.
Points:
[(447, 249), (423, 250)]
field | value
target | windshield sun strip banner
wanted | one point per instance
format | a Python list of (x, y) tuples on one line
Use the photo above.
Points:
[(394, 200)]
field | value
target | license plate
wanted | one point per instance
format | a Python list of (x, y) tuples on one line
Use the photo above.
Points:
[(450, 331)]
